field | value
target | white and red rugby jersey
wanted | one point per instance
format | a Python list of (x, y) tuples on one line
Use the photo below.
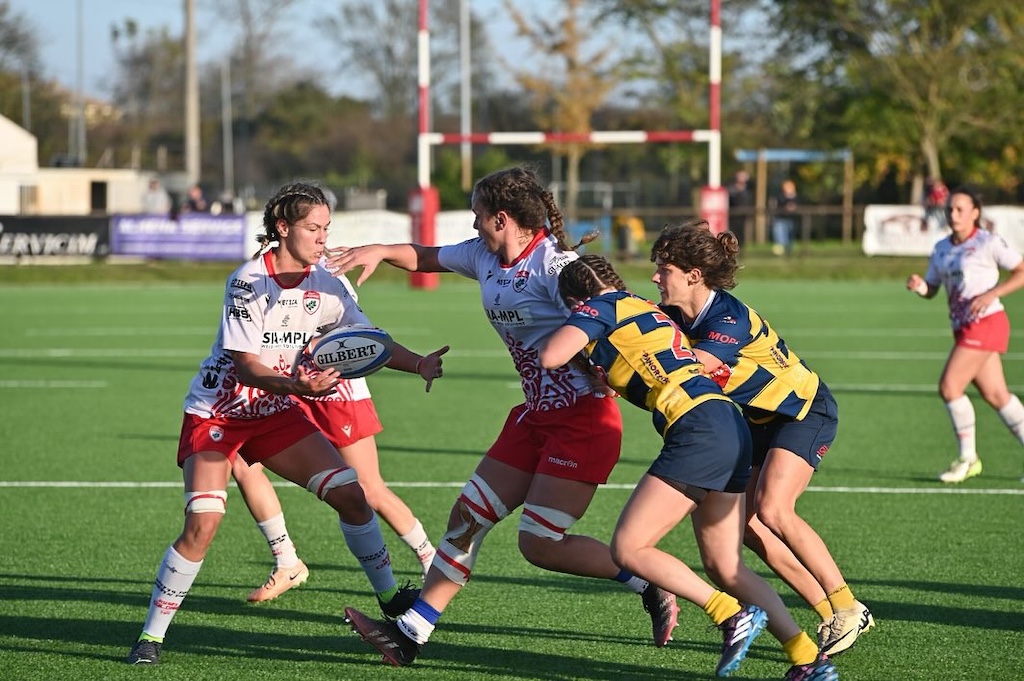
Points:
[(522, 303), (265, 318), (969, 269)]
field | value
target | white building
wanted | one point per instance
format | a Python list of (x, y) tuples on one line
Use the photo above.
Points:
[(27, 189)]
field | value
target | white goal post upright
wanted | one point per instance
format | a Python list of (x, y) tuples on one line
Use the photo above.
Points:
[(424, 202)]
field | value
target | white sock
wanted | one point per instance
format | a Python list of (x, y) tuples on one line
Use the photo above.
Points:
[(416, 539), (367, 544), (637, 584), (961, 413), (1013, 416), (281, 546), (415, 626), (173, 580)]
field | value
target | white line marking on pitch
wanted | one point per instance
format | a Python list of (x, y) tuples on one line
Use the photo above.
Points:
[(56, 484), (53, 385)]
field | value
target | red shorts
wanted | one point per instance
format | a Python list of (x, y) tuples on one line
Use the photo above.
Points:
[(254, 439), (991, 333), (343, 422), (581, 442)]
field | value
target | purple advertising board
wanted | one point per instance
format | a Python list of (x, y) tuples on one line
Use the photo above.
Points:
[(193, 236)]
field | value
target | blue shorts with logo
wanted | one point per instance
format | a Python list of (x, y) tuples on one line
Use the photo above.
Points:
[(707, 447), (808, 438)]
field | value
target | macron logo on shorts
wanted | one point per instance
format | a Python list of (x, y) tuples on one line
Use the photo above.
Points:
[(565, 463)]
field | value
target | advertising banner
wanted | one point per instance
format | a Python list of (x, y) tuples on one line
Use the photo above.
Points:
[(193, 236), (904, 230), (31, 238)]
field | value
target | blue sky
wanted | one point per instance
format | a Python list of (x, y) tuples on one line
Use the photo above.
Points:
[(57, 25)]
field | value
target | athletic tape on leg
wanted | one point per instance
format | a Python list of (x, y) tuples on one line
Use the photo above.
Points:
[(544, 522), (215, 501), (324, 481), (479, 509)]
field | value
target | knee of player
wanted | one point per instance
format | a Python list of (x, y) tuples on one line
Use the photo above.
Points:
[(335, 487), (773, 516), (622, 551), (376, 493), (203, 513), (540, 527), (721, 569)]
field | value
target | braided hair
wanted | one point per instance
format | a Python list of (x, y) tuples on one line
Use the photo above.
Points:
[(519, 192), (291, 203), (690, 245), (587, 276), (582, 278)]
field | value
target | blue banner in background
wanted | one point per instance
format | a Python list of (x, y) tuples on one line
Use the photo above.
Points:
[(193, 236)]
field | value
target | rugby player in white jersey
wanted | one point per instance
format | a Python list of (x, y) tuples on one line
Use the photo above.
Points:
[(555, 448), (239, 404), (967, 264)]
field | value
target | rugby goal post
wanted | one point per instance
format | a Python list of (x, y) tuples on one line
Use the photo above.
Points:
[(424, 201)]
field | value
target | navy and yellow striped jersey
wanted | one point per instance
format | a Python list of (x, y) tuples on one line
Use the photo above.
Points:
[(767, 377), (644, 356)]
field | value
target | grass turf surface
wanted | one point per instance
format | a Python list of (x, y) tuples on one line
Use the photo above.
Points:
[(94, 375)]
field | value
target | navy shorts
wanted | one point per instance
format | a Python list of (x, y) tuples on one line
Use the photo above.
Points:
[(708, 447), (809, 438)]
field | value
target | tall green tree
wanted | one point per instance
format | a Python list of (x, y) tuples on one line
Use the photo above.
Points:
[(924, 75), (378, 50), (573, 78), (26, 96), (148, 86)]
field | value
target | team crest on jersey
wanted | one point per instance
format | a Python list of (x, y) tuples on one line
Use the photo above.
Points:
[(520, 280), (216, 434), (311, 301)]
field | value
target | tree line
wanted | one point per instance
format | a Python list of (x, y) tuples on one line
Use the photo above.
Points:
[(916, 89)]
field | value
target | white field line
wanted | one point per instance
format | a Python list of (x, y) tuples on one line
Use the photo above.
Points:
[(53, 385), (64, 484)]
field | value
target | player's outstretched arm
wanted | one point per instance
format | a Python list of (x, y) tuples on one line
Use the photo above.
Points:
[(427, 366), (409, 257)]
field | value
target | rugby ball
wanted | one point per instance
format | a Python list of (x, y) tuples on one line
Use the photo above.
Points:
[(354, 351)]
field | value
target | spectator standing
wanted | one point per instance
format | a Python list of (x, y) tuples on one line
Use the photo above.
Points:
[(741, 200), (935, 197), (196, 202), (784, 220), (155, 200)]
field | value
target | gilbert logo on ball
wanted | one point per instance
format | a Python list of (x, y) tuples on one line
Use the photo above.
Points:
[(354, 351)]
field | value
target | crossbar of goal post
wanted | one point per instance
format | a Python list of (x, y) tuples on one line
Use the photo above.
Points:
[(424, 202)]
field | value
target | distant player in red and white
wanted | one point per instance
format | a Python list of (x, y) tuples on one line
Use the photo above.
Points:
[(555, 448), (967, 263), (239, 404)]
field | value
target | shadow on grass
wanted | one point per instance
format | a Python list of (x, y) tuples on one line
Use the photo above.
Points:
[(199, 645)]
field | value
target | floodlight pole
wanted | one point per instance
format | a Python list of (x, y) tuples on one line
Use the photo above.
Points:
[(192, 159)]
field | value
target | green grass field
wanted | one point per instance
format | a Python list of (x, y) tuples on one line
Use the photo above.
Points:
[(92, 381)]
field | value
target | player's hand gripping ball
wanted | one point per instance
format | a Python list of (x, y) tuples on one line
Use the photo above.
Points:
[(354, 351)]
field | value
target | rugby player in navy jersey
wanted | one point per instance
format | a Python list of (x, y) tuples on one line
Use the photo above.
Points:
[(791, 413), (701, 471)]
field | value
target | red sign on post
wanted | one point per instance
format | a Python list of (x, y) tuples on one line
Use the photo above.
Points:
[(423, 206), (714, 207)]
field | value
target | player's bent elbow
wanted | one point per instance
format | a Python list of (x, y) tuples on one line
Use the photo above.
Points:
[(550, 359)]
